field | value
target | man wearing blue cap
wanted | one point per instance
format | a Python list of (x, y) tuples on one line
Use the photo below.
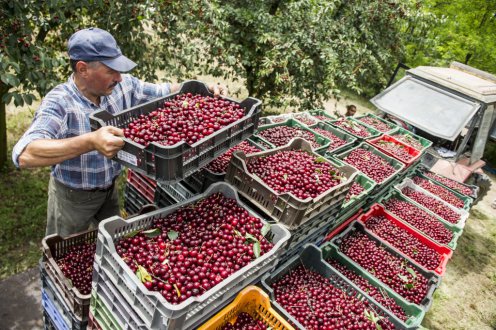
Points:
[(81, 191)]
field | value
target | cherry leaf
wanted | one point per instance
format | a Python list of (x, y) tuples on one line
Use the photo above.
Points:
[(172, 235), (177, 290), (403, 278), (412, 272), (256, 249), (265, 229), (320, 159), (143, 274), (133, 233), (151, 233), (250, 237)]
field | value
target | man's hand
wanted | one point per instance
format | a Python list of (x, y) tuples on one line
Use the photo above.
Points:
[(218, 89), (108, 140)]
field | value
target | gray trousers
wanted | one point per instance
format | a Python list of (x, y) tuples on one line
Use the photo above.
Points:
[(71, 211)]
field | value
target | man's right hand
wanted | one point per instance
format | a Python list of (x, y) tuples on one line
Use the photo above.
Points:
[(108, 140)]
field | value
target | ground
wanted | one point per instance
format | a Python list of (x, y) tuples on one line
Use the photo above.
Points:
[(466, 298)]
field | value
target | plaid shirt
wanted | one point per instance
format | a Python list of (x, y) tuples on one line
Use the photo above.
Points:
[(64, 113)]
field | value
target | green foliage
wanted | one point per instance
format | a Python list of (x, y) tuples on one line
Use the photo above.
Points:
[(464, 32), (299, 53), (34, 34)]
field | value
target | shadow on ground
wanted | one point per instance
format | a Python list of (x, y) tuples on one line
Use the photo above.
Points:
[(20, 305)]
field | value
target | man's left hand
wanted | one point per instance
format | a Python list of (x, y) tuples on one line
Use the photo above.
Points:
[(218, 89)]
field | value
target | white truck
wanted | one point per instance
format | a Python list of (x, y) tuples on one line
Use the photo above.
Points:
[(453, 107)]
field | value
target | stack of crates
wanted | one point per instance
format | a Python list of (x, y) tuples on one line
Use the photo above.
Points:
[(120, 300), (141, 190), (64, 306)]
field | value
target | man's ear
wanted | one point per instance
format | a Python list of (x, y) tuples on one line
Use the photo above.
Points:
[(82, 68)]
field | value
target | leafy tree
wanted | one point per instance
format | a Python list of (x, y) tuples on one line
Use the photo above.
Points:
[(299, 53), (288, 53), (34, 34), (465, 33)]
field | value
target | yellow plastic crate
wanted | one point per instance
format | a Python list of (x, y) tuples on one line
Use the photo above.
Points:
[(253, 301)]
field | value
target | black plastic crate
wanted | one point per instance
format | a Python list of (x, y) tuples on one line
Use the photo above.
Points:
[(169, 164), (133, 200)]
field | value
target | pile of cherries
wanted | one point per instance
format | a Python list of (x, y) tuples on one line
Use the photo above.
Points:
[(419, 219), (352, 127), (317, 304), (189, 251), (450, 183), (396, 272), (77, 265), (297, 172), (432, 204), (396, 149), (355, 190), (336, 142), (282, 135), (409, 140), (439, 191), (370, 164), (279, 119), (188, 117), (376, 123), (219, 165), (378, 294), (404, 241), (322, 118), (244, 321), (305, 119)]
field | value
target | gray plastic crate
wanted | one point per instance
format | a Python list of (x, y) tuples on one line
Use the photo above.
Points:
[(396, 164), (114, 302), (433, 280), (408, 183), (350, 139), (285, 208), (133, 200), (415, 313), (212, 177), (65, 319), (151, 307), (311, 258), (169, 164)]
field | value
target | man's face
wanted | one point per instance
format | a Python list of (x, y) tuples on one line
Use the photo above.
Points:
[(101, 79), (351, 111)]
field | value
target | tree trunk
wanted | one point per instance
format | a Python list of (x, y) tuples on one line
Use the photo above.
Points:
[(3, 130)]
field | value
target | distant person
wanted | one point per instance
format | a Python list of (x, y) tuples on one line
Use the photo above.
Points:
[(350, 111)]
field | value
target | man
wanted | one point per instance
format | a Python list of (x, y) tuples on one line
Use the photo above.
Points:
[(82, 188), (350, 111)]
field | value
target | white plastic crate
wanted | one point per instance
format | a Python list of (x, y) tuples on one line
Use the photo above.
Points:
[(408, 183)]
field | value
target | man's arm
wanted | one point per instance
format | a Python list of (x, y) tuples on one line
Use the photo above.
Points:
[(47, 152)]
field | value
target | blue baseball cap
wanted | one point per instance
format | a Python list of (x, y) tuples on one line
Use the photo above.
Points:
[(95, 44)]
